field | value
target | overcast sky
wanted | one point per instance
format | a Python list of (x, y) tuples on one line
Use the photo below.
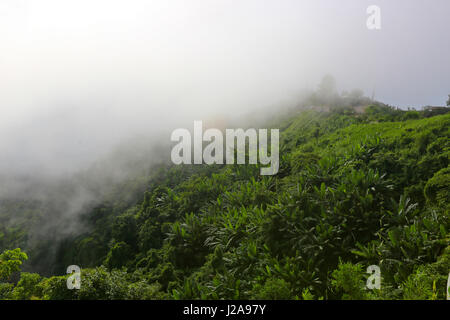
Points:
[(77, 76)]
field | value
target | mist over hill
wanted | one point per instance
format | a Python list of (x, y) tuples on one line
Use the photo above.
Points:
[(91, 92)]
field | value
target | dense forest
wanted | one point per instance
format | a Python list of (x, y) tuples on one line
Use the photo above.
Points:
[(356, 187)]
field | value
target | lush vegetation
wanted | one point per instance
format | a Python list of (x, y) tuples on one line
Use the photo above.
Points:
[(354, 189)]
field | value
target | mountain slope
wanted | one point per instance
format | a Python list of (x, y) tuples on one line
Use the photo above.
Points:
[(354, 189)]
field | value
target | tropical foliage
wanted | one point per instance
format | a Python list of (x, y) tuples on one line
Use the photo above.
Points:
[(354, 189)]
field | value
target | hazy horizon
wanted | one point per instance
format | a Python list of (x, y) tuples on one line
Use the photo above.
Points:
[(80, 77)]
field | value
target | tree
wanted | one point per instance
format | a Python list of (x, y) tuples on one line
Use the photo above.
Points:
[(10, 262), (448, 101), (119, 254), (125, 230), (27, 287)]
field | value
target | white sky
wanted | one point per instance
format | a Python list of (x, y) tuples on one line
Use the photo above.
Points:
[(79, 75)]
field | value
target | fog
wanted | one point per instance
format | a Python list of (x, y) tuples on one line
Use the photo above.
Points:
[(80, 78)]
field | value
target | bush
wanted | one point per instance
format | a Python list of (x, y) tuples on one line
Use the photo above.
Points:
[(429, 281), (273, 289), (348, 281), (27, 287), (437, 189)]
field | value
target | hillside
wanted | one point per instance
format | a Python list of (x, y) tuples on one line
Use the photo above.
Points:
[(354, 189)]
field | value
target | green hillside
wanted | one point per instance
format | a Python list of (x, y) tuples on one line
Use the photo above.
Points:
[(353, 190)]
